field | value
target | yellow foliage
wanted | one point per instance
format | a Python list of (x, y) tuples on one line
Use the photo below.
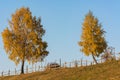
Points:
[(23, 39), (92, 38)]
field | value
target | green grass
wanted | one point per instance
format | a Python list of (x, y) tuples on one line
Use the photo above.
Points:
[(104, 71)]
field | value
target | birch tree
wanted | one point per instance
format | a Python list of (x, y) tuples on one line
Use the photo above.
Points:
[(23, 38)]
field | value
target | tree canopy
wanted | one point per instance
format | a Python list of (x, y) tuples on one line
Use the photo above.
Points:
[(23, 38), (92, 39)]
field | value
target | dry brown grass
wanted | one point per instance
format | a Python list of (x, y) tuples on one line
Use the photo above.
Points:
[(105, 71)]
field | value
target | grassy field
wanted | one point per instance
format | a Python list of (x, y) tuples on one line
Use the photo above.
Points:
[(104, 71)]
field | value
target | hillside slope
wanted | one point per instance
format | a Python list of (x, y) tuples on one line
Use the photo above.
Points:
[(105, 71)]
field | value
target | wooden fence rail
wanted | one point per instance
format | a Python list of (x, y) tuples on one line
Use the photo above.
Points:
[(76, 63)]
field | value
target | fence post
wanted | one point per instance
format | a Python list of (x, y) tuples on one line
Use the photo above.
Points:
[(32, 67), (26, 69), (81, 62), (76, 64), (8, 72), (65, 65), (70, 64), (101, 60), (60, 62), (15, 72), (2, 73), (86, 62), (91, 63), (48, 66), (35, 67), (39, 68), (42, 65)]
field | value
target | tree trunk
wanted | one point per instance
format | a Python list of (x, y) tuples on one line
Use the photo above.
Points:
[(94, 59), (22, 67)]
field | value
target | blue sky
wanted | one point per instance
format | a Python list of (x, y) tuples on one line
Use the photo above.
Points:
[(62, 20)]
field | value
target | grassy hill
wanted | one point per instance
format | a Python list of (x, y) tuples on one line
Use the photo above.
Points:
[(104, 71)]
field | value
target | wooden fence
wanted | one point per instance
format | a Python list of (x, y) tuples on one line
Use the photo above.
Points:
[(26, 70), (39, 68), (79, 63)]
